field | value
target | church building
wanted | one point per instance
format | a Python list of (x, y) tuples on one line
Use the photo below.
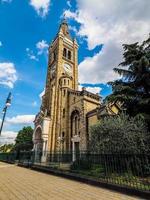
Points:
[(66, 113)]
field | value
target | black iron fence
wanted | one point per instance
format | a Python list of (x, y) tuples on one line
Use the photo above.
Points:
[(128, 170), (8, 157)]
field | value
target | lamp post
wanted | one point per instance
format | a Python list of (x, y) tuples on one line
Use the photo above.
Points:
[(7, 104)]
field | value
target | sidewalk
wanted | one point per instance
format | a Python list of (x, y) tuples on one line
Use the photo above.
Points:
[(17, 183)]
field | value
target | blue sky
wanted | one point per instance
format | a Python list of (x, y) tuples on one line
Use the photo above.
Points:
[(26, 29), (21, 28)]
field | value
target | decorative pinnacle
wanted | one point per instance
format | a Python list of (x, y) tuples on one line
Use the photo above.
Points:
[(64, 21)]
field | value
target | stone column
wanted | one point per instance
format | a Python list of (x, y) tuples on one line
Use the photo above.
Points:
[(44, 153), (36, 149), (73, 151)]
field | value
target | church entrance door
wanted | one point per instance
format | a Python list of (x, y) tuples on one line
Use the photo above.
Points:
[(77, 151), (38, 144)]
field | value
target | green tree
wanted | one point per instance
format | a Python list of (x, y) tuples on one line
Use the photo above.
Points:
[(133, 89), (120, 134), (24, 139), (6, 148)]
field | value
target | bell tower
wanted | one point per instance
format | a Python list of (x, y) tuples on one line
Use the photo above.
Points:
[(62, 123), (62, 75)]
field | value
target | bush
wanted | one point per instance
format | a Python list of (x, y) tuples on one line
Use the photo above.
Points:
[(120, 134), (81, 165)]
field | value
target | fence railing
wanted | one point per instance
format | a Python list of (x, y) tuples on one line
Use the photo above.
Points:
[(129, 170)]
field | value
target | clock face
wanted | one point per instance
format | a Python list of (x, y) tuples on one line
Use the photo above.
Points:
[(68, 68)]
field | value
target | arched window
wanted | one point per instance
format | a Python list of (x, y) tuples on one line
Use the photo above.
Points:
[(63, 134), (76, 125), (63, 112), (64, 52), (68, 82), (69, 55), (64, 81)]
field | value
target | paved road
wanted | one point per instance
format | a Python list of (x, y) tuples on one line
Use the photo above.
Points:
[(18, 183)]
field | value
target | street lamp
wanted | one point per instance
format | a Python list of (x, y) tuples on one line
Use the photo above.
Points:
[(7, 104)]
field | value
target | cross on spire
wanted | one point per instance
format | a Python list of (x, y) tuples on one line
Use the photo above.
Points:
[(64, 20), (64, 28)]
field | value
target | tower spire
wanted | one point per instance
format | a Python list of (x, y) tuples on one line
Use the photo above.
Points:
[(64, 20), (64, 27)]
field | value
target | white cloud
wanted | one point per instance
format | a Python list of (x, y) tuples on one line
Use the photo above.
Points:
[(21, 119), (42, 46), (69, 4), (1, 44), (92, 89), (8, 74), (41, 6), (99, 67), (8, 137), (31, 55), (95, 90), (112, 23), (73, 28), (70, 14), (34, 103)]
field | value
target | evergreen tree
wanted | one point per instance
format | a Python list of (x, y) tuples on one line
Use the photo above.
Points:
[(133, 89)]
